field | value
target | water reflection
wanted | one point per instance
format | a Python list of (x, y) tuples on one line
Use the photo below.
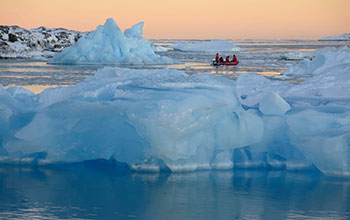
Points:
[(36, 89), (90, 193)]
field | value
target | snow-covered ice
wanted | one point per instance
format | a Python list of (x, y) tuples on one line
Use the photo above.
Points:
[(42, 42), (211, 46), (109, 45)]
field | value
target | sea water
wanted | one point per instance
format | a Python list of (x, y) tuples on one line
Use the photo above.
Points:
[(85, 192), (92, 191)]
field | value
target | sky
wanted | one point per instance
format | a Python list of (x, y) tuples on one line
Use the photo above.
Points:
[(189, 19)]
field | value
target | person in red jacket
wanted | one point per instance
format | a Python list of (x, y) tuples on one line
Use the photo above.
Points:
[(228, 59), (217, 57), (234, 59)]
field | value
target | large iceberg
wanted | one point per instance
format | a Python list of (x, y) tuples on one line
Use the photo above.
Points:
[(109, 45), (168, 120), (210, 46), (149, 119)]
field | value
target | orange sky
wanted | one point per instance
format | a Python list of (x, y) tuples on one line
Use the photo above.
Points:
[(189, 19)]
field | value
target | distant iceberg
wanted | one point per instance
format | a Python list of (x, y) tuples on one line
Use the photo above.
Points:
[(211, 46), (109, 45), (344, 37)]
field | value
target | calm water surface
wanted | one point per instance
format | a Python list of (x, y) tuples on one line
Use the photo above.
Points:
[(105, 193)]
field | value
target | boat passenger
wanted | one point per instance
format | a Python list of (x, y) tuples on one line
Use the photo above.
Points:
[(221, 60), (217, 57), (228, 59), (234, 59)]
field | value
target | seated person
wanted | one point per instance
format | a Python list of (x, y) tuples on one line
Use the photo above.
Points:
[(234, 59), (228, 59), (221, 60)]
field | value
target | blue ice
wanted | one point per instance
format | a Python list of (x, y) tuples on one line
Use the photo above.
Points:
[(109, 45), (168, 120)]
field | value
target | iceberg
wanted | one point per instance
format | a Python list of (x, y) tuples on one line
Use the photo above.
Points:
[(109, 45), (211, 46), (343, 37), (148, 119), (166, 120)]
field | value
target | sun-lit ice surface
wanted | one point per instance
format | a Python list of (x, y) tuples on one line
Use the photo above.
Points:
[(109, 45), (211, 46), (168, 120)]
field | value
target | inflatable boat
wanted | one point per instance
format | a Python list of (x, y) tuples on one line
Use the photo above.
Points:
[(230, 63)]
